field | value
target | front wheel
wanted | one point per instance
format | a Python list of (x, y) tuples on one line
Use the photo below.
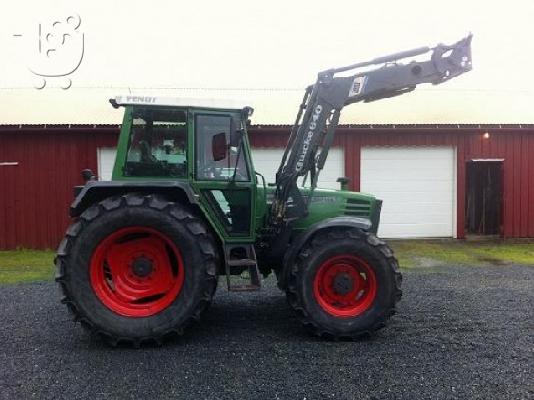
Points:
[(344, 284)]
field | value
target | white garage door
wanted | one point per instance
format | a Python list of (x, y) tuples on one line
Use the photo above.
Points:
[(267, 160), (417, 185), (106, 158)]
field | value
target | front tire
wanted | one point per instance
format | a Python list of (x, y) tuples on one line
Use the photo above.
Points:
[(344, 284), (137, 268)]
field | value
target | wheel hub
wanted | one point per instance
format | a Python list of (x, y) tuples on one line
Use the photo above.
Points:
[(142, 267), (343, 284), (137, 271)]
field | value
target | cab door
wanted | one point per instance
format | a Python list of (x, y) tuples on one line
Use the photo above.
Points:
[(222, 174)]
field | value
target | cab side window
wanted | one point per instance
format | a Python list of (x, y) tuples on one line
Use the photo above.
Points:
[(216, 158)]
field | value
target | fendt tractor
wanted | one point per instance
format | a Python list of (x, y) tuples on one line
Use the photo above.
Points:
[(142, 258)]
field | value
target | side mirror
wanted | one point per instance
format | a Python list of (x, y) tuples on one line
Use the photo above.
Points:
[(219, 146)]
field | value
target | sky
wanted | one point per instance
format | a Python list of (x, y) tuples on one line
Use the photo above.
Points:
[(264, 53)]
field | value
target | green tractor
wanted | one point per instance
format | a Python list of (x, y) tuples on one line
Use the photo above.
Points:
[(143, 256)]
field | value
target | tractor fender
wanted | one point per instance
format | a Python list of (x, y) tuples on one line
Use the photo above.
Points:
[(95, 191), (299, 242)]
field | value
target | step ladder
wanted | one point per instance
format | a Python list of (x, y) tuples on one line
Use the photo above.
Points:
[(240, 259)]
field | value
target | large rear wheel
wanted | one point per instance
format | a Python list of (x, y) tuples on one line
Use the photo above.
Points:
[(137, 268), (344, 284)]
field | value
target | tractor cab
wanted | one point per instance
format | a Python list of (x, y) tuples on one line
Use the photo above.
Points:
[(202, 144)]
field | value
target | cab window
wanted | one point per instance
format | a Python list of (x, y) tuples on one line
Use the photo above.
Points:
[(217, 158), (157, 144)]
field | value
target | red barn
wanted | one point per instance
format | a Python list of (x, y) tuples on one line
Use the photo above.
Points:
[(435, 180)]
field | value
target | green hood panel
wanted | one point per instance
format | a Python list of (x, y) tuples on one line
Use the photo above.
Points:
[(329, 203)]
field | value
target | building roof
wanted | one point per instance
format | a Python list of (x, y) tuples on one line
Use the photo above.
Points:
[(278, 107), (284, 128)]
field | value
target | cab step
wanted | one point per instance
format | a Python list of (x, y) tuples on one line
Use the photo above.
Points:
[(242, 262), (241, 267)]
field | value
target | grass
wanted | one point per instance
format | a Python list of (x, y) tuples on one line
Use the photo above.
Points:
[(24, 265), (433, 253)]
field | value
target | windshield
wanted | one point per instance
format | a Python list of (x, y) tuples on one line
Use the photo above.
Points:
[(157, 144)]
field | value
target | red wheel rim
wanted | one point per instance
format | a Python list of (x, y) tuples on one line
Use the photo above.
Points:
[(345, 286), (137, 271)]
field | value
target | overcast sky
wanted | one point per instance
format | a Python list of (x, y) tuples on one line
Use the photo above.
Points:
[(266, 53)]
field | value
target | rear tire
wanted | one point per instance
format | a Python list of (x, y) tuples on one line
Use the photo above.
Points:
[(137, 268), (345, 284)]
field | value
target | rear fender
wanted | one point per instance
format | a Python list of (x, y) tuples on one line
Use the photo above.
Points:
[(96, 191), (300, 241)]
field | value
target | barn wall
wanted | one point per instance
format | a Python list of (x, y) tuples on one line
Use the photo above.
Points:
[(35, 194), (517, 149)]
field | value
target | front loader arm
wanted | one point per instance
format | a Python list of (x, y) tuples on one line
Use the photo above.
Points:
[(314, 128), (446, 62)]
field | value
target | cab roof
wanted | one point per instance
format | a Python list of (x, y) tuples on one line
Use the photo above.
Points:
[(177, 102)]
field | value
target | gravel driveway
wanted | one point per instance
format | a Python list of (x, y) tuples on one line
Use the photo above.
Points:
[(460, 333)]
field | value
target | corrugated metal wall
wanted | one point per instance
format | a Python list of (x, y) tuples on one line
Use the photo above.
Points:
[(517, 150), (36, 193)]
